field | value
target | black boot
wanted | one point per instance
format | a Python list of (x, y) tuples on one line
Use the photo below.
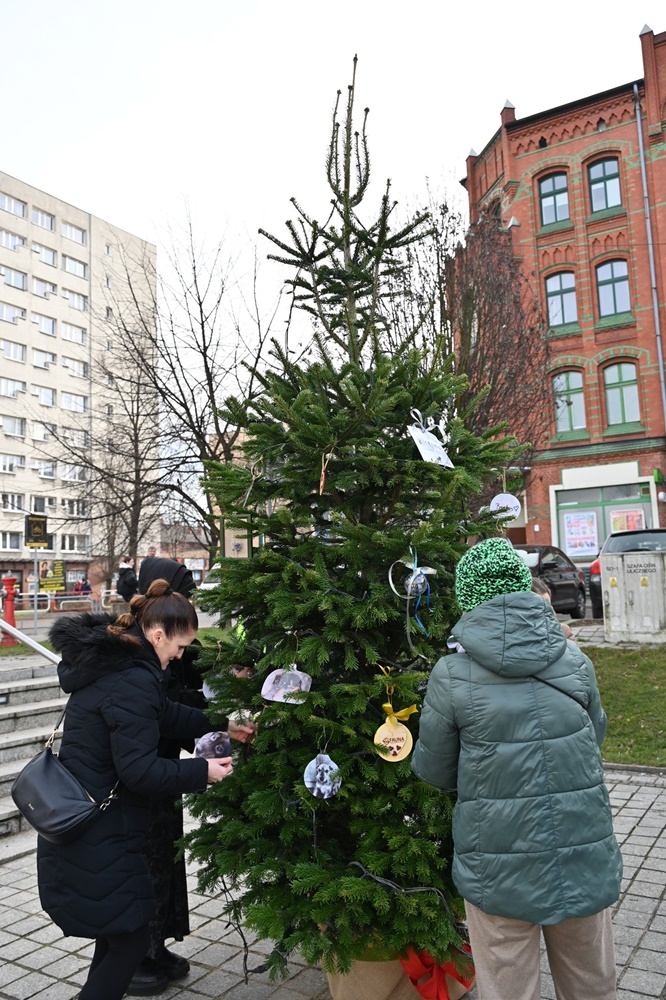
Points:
[(173, 966), (148, 980)]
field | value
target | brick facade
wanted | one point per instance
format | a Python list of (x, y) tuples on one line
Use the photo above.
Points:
[(568, 185)]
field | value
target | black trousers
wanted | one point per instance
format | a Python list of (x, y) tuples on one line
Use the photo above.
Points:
[(115, 961)]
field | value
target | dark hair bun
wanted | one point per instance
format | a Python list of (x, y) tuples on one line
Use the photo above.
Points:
[(158, 588)]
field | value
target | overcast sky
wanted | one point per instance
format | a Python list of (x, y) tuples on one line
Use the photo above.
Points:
[(132, 109)]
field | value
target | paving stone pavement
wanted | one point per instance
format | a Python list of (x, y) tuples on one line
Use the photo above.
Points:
[(38, 963)]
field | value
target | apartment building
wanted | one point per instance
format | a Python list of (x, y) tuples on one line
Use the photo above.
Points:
[(582, 190), (61, 271)]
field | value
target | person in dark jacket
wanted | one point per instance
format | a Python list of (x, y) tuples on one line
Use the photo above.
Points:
[(99, 886), (160, 966), (127, 584), (512, 722)]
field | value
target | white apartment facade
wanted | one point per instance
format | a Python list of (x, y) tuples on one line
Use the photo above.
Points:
[(61, 269)]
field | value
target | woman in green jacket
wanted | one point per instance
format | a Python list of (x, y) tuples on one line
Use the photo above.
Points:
[(513, 723)]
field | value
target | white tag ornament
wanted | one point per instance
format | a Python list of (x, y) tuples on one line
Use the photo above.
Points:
[(322, 778), (505, 506), (431, 448), (285, 685)]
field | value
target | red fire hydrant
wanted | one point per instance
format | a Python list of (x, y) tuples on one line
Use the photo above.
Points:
[(5, 638)]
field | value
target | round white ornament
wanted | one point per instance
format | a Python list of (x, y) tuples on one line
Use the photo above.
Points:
[(322, 778), (285, 685), (396, 739), (506, 506)]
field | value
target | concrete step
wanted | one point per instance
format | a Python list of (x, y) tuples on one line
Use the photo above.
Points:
[(28, 690), (22, 744), (30, 665), (19, 845), (16, 718), (11, 820)]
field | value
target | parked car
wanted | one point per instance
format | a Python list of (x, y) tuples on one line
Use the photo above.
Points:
[(641, 540), (565, 580), (211, 579)]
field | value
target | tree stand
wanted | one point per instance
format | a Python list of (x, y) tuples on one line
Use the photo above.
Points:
[(382, 981)]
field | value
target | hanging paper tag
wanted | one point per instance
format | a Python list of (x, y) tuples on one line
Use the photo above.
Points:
[(285, 685), (506, 506), (430, 447), (396, 738), (322, 778)]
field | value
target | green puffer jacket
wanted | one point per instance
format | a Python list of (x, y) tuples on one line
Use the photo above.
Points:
[(532, 823)]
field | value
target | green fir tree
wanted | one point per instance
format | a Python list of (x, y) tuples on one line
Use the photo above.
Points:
[(334, 493)]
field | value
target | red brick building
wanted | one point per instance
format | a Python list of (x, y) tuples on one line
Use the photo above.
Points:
[(582, 189)]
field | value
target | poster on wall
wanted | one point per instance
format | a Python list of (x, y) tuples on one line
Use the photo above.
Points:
[(627, 520), (580, 534)]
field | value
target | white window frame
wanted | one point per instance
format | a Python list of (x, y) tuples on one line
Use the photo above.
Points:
[(48, 286), (13, 205), (69, 397), (70, 332), (43, 219), (10, 348), (11, 464), (11, 241), (47, 255), (9, 501), (42, 359), (6, 421), (39, 390), (74, 266), (11, 384), (14, 278), (41, 322), (74, 233), (6, 538)]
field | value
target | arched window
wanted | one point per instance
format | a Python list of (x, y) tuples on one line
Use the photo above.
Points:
[(621, 388), (604, 181), (554, 199), (561, 298), (569, 401), (613, 288)]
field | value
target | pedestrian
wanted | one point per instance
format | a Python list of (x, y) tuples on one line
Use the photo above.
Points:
[(512, 723), (99, 885), (183, 680), (127, 584), (541, 588)]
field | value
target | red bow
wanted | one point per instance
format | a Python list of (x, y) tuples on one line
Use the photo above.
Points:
[(419, 966)]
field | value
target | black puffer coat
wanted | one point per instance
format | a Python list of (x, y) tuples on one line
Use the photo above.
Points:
[(117, 711)]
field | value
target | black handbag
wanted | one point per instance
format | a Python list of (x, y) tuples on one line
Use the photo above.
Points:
[(52, 800)]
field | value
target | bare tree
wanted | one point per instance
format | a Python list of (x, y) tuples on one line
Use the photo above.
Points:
[(469, 287), (197, 341)]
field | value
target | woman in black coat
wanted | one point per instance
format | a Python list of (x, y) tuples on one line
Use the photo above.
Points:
[(99, 886)]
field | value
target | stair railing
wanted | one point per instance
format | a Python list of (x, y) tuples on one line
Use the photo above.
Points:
[(29, 641)]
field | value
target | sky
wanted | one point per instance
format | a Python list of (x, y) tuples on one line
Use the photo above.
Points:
[(142, 111)]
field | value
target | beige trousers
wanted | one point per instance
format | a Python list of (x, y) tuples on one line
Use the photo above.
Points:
[(506, 957)]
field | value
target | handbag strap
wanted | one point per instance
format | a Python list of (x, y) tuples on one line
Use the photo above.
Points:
[(51, 739)]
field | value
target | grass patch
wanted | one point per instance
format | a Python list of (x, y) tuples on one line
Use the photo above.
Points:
[(23, 650), (633, 692), (211, 636)]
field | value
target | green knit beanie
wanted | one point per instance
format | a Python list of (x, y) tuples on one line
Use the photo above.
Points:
[(489, 569)]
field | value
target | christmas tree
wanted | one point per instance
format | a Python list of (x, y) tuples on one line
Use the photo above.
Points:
[(347, 520)]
